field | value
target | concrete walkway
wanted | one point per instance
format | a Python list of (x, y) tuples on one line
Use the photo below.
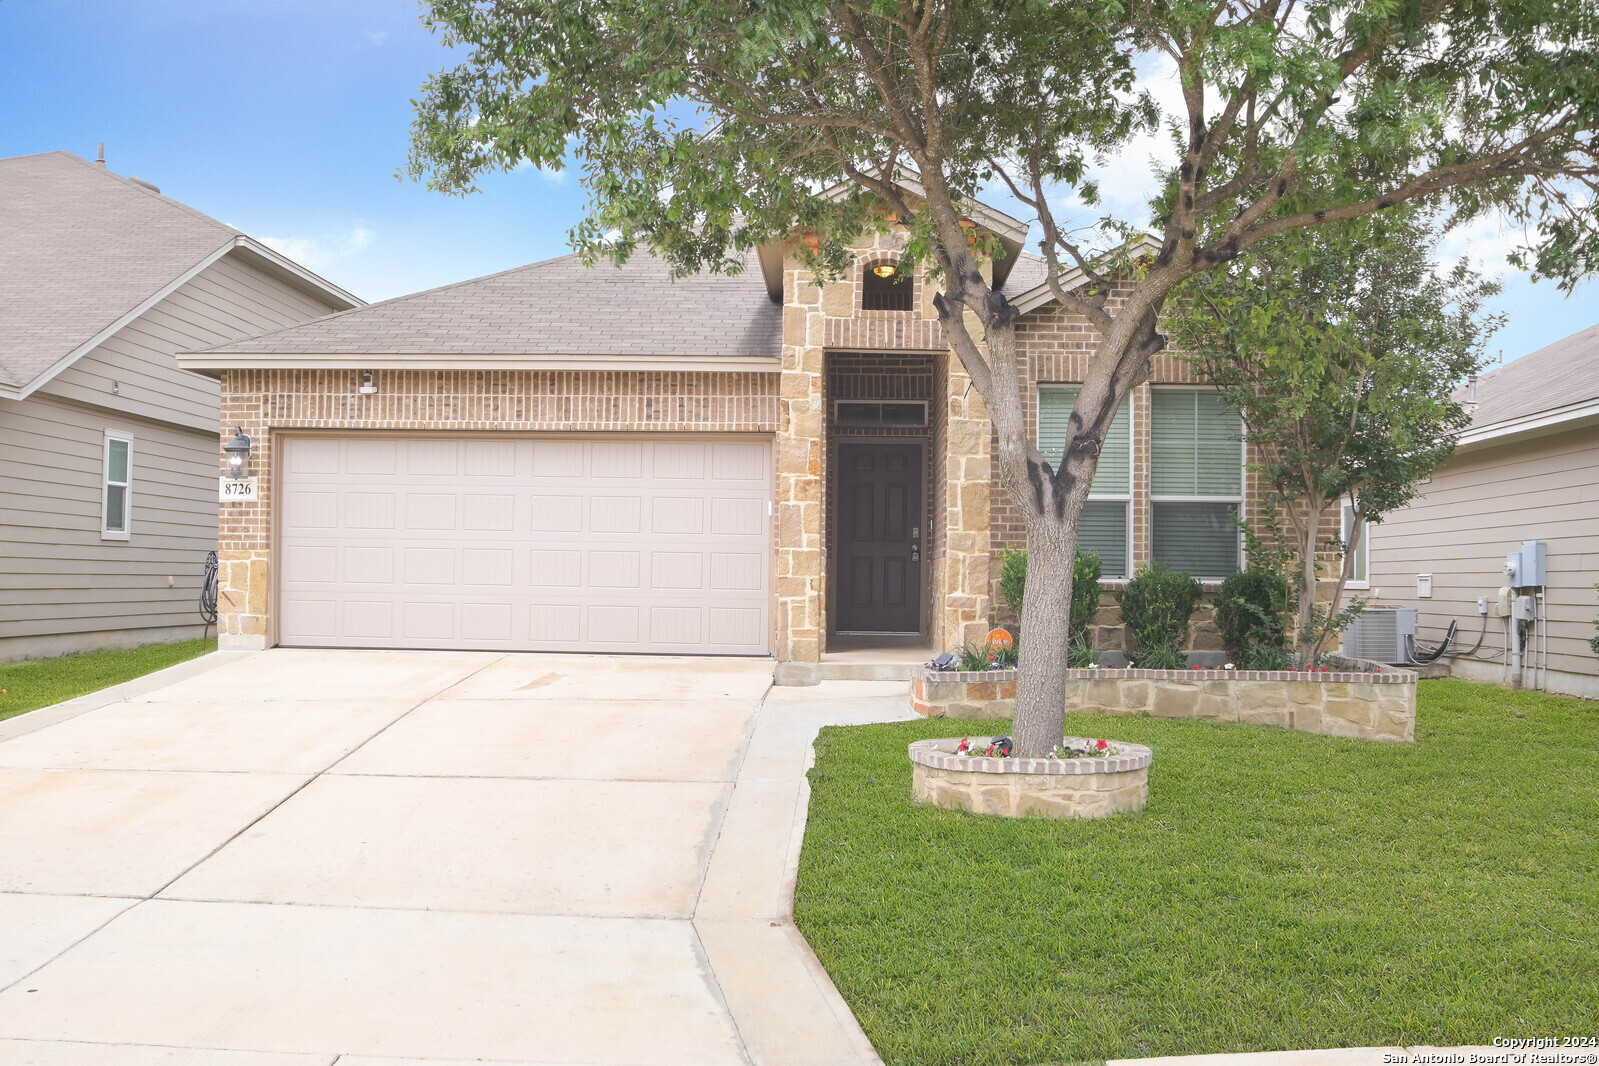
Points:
[(310, 857)]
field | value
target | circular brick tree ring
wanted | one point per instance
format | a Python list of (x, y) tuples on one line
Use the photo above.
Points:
[(1015, 788)]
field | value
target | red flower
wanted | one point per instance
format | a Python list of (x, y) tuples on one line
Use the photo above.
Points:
[(1101, 745), (1196, 668)]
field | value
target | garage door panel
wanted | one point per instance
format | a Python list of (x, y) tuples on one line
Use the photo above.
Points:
[(600, 545)]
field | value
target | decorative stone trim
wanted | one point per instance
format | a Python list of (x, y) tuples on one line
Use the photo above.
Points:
[(1014, 788), (1353, 702)]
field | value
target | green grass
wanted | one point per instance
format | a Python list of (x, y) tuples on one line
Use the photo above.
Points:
[(33, 683), (1281, 890)]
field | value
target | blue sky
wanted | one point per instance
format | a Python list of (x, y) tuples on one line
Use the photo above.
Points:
[(289, 120)]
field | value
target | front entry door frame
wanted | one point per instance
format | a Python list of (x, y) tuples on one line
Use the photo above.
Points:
[(840, 620)]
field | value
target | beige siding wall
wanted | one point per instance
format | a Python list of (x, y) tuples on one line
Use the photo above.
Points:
[(57, 576), (227, 301), (1480, 506), (62, 588)]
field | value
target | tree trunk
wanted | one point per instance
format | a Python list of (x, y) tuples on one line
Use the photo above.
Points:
[(1051, 503), (1309, 580), (1046, 615)]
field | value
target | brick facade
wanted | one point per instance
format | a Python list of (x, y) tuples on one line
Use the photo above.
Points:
[(831, 349), (265, 402)]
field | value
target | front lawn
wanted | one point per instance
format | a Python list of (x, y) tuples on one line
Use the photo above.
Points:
[(32, 683), (1281, 890)]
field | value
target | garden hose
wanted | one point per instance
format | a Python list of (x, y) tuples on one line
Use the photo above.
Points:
[(208, 590)]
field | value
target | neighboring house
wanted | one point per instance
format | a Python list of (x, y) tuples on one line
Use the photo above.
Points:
[(108, 450), (571, 459), (1526, 469)]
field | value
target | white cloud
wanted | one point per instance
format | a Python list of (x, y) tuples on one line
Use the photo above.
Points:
[(318, 252), (554, 177), (376, 38), (1485, 241)]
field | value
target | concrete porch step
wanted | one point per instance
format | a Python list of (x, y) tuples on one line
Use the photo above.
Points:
[(860, 671)]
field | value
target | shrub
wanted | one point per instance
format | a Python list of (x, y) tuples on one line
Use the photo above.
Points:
[(1252, 611), (1160, 657), (1266, 657), (1083, 651), (1085, 586), (975, 657), (1156, 606)]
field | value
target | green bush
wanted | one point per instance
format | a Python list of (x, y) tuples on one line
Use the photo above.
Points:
[(1085, 586), (1252, 611), (1161, 657), (1083, 651), (1156, 606), (1266, 657)]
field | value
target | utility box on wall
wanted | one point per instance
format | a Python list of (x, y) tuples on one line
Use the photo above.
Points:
[(1532, 563)]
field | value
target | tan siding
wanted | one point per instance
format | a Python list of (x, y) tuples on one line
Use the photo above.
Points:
[(1480, 506), (227, 301), (57, 575)]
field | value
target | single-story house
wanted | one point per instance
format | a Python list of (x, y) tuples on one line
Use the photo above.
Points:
[(1527, 469), (108, 486), (571, 459)]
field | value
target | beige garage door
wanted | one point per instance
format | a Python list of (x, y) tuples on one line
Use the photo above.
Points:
[(613, 544)]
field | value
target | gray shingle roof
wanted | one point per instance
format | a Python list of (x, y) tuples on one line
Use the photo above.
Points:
[(80, 247), (554, 307), (1558, 375), (1028, 273)]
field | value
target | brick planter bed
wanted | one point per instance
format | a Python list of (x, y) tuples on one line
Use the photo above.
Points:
[(1046, 788), (1354, 699)]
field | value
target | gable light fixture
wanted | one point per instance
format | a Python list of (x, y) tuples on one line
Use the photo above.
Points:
[(368, 385), (237, 451), (885, 270)]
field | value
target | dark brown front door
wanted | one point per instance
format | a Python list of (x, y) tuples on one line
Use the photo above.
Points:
[(879, 549)]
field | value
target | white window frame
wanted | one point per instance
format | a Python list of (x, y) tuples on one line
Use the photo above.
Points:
[(126, 532), (1125, 499), (1243, 479), (1346, 520)]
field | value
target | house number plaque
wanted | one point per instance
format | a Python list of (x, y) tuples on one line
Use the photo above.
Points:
[(233, 490)]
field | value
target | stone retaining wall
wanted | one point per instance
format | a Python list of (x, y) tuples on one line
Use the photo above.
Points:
[(1016, 788), (1358, 701)]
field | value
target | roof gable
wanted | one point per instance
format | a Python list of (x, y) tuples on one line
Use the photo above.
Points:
[(81, 248)]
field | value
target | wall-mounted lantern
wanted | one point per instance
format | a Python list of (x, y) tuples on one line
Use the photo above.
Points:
[(237, 451), (368, 385), (885, 270)]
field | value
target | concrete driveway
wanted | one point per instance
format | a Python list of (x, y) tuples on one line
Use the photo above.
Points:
[(309, 857)]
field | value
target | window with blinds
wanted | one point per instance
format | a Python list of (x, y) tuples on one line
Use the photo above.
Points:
[(1196, 481), (1104, 523)]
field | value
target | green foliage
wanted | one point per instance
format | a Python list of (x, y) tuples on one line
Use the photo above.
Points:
[(1012, 578), (1084, 651), (974, 657), (1159, 657), (1340, 347), (1266, 657), (1086, 593), (1252, 610), (1279, 866), (1156, 606)]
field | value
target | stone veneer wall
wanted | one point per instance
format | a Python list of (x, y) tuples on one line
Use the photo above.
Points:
[(264, 402), (1345, 703), (820, 319)]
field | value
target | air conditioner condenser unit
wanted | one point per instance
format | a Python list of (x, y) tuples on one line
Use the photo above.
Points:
[(1379, 633)]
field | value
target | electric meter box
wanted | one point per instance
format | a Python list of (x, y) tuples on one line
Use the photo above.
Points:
[(1532, 564)]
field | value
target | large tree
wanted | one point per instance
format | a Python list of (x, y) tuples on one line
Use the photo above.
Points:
[(705, 127), (1339, 346)]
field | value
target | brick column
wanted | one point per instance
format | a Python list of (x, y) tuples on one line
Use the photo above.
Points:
[(801, 459), (962, 610), (243, 530)]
